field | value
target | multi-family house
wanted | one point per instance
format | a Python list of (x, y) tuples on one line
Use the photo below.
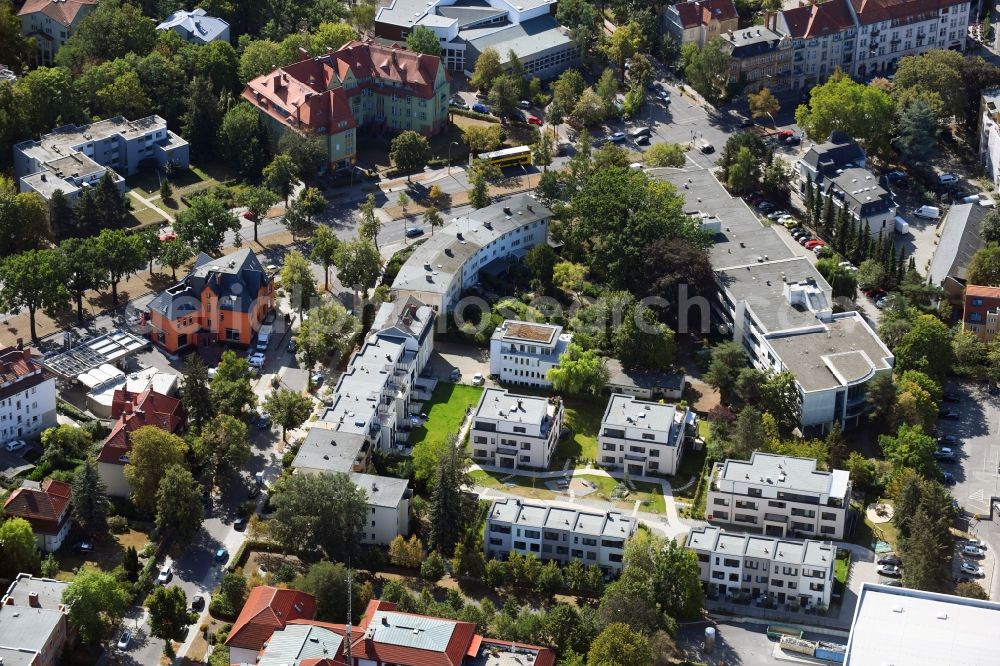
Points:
[(266, 610), (700, 21), (46, 506), (770, 571), (52, 23), (823, 38), (221, 300), (488, 238), (779, 496), (34, 629), (982, 311), (74, 157), (27, 395), (643, 437), (780, 309), (467, 27), (515, 431), (361, 84), (989, 133), (558, 532), (133, 411), (522, 352), (824, 161), (889, 30), (196, 26), (759, 58)]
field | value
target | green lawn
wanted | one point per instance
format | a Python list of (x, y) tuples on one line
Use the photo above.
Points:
[(584, 418), (445, 412), (867, 533), (525, 486), (650, 494)]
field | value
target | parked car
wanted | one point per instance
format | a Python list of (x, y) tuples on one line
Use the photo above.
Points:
[(948, 478), (928, 212), (793, 140), (477, 379), (16, 445), (891, 558), (951, 397), (948, 414), (791, 223), (799, 233), (776, 214), (164, 577), (890, 570), (458, 104), (534, 120), (972, 568), (221, 555), (83, 546), (413, 232), (239, 524), (893, 583), (947, 179), (264, 421), (524, 104), (197, 602), (944, 453), (811, 244), (805, 239), (479, 107), (948, 440), (125, 640), (972, 551), (705, 146), (784, 134), (455, 375), (617, 137), (978, 543), (253, 492)]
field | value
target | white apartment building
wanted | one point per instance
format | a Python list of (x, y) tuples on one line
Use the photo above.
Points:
[(989, 133), (486, 239), (388, 508), (643, 437), (779, 496), (52, 23), (890, 29), (823, 38), (523, 352), (515, 431), (774, 573), (27, 395), (73, 157), (558, 531)]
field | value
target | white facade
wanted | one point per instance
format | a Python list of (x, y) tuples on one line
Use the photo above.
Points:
[(558, 532), (27, 396), (642, 437), (779, 496), (522, 353), (388, 513), (764, 568), (52, 23), (515, 431), (989, 133)]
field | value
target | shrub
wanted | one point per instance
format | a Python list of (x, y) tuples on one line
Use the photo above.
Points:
[(432, 569), (117, 524)]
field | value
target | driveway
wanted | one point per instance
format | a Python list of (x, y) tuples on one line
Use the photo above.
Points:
[(468, 359)]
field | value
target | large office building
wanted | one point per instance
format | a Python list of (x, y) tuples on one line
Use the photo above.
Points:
[(558, 532), (515, 431), (780, 309), (52, 23), (643, 437), (779, 496), (487, 239), (27, 395), (523, 352), (896, 625), (360, 85), (74, 157), (768, 570), (466, 28)]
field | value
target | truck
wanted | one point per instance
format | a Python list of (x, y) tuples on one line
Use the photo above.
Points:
[(902, 226), (263, 337)]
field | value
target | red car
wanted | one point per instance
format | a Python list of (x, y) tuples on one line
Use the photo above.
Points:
[(811, 244), (249, 215), (784, 134), (168, 235), (534, 120)]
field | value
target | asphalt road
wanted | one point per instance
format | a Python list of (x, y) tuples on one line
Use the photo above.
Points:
[(737, 644)]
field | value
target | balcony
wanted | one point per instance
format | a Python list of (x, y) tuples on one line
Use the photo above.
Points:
[(638, 457), (507, 451), (775, 518)]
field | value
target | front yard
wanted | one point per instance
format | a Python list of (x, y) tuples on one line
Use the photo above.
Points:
[(525, 486), (583, 417), (445, 412)]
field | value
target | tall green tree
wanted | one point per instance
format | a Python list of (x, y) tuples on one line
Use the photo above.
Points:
[(911, 448), (728, 358), (329, 327), (707, 71), (197, 398), (89, 498), (16, 50), (178, 504), (174, 254), (297, 279), (18, 550), (122, 254), (319, 514), (410, 151), (359, 265), (325, 245), (985, 267), (281, 175), (369, 225), (96, 601), (488, 68), (257, 200), (926, 347), (618, 645), (201, 121), (112, 30), (917, 132), (34, 280), (928, 564), (224, 444), (327, 581), (168, 614), (153, 452), (861, 111), (86, 269), (579, 371), (204, 224), (231, 387), (479, 195), (448, 509), (243, 140), (288, 408), (422, 40), (308, 153)]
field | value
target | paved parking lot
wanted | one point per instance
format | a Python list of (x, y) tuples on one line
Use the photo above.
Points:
[(468, 359)]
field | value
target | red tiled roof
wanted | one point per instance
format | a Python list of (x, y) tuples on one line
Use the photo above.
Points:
[(701, 12), (818, 20), (979, 291), (302, 89), (873, 11), (21, 370), (268, 608), (133, 411), (61, 11), (45, 509)]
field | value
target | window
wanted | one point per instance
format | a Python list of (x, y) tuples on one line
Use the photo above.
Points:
[(520, 430), (729, 562), (720, 515), (720, 501), (648, 435), (827, 515), (654, 453)]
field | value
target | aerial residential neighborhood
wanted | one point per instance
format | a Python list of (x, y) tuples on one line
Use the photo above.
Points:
[(478, 334)]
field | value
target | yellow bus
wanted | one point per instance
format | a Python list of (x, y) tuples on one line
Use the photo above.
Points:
[(508, 156)]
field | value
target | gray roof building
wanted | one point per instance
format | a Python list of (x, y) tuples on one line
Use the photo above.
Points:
[(825, 160), (960, 239), (196, 26), (235, 278), (27, 634), (294, 643), (332, 451), (859, 189), (644, 383), (385, 491), (820, 554), (785, 472), (766, 289), (27, 590)]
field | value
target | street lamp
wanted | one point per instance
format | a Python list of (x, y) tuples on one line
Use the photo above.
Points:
[(453, 143)]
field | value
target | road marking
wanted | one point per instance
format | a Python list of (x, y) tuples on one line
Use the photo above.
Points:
[(978, 495)]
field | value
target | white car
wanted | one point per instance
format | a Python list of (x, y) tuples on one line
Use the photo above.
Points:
[(972, 568), (972, 551), (947, 179), (477, 379), (256, 360), (16, 445), (165, 575), (125, 640), (978, 543)]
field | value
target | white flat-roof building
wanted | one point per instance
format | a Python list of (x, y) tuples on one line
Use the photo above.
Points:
[(104, 380), (388, 507), (486, 239), (896, 625), (515, 431), (779, 496), (558, 531), (523, 352), (774, 572), (74, 157), (642, 437)]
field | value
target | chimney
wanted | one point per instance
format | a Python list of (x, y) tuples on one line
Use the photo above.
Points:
[(127, 408), (303, 54), (33, 600), (9, 602)]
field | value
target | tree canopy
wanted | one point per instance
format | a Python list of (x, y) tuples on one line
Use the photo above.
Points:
[(319, 514), (858, 109)]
